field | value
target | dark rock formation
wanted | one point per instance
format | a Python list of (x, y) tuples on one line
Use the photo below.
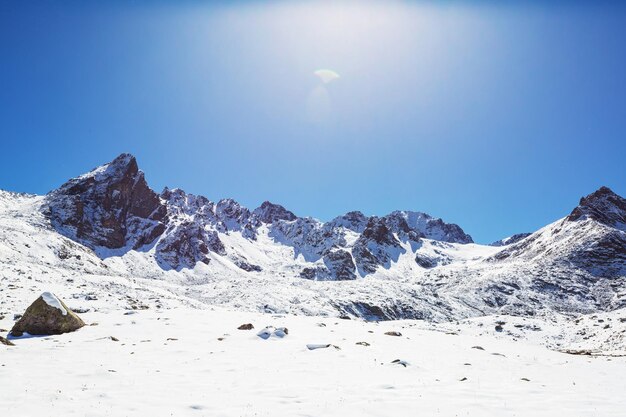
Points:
[(377, 246), (511, 239), (46, 316), (110, 207), (428, 227), (603, 206), (425, 261), (592, 238), (6, 342), (340, 265), (353, 220), (270, 212), (187, 243), (246, 266), (234, 217)]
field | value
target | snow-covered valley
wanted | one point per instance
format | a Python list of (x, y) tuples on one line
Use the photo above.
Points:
[(189, 362)]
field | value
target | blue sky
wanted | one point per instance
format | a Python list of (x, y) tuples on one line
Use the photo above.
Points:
[(498, 118)]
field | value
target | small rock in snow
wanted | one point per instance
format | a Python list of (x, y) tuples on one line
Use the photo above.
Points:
[(281, 332), (247, 326), (393, 333), (265, 333), (6, 342), (317, 346)]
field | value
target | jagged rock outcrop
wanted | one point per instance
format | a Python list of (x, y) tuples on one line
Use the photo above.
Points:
[(377, 246), (340, 265), (397, 223), (426, 261), (234, 217), (309, 237), (191, 233), (603, 206), (430, 227), (247, 266), (110, 207), (511, 239), (353, 220), (270, 213), (47, 315), (187, 243), (337, 266), (415, 266), (592, 238)]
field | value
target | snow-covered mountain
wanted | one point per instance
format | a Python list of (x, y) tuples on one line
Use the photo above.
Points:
[(112, 211), (108, 226)]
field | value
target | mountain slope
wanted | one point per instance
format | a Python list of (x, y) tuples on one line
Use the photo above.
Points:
[(108, 229)]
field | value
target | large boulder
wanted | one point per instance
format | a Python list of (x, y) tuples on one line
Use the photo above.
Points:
[(47, 315)]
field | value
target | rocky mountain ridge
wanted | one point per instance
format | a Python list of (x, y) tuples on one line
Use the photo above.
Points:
[(107, 228), (112, 209)]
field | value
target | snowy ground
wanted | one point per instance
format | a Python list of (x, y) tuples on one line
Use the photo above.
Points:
[(194, 362)]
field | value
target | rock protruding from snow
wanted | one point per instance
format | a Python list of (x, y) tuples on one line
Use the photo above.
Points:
[(353, 220), (111, 207), (377, 246), (603, 206), (186, 244), (4, 341), (46, 316), (338, 266), (234, 217), (270, 212), (511, 239), (430, 227)]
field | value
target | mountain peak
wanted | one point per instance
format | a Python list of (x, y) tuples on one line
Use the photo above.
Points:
[(110, 206), (604, 206), (511, 239), (269, 212), (124, 159), (122, 164)]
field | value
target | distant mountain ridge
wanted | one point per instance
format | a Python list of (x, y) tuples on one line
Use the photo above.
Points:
[(110, 227), (112, 207)]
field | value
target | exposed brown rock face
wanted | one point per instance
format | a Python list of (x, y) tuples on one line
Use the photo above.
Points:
[(110, 207), (112, 210), (340, 265), (186, 244), (270, 212), (377, 246), (46, 316), (603, 206)]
